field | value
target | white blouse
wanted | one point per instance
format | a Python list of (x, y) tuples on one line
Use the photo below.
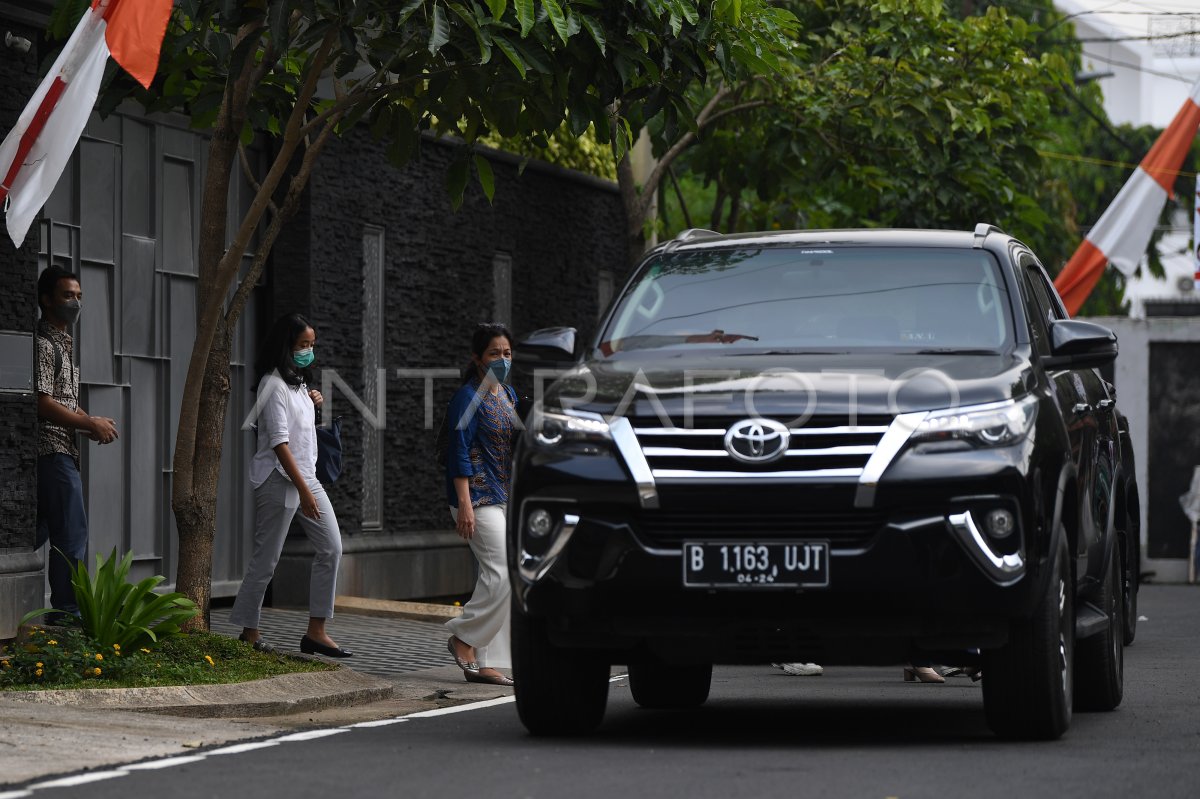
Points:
[(286, 414)]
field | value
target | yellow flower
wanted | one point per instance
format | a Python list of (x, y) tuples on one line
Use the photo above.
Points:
[(38, 673), (99, 656), (144, 649), (117, 647), (52, 642), (39, 664), (210, 660), (6, 664), (96, 671)]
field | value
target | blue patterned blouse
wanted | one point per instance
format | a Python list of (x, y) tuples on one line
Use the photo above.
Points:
[(480, 443)]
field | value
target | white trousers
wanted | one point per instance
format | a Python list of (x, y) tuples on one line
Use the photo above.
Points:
[(275, 504), (484, 623)]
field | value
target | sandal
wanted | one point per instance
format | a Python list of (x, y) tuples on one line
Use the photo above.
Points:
[(468, 666)]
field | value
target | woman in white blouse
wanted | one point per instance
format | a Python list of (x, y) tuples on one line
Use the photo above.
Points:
[(283, 472)]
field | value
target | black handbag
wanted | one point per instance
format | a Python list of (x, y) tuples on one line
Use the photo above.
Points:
[(329, 452)]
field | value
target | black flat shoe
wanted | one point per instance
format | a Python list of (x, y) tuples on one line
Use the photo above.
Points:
[(260, 644), (310, 647)]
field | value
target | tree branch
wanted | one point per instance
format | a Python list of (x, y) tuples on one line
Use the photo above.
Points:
[(290, 203), (253, 181), (687, 218)]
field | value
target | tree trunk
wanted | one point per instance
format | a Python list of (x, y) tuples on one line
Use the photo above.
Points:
[(197, 527), (635, 210)]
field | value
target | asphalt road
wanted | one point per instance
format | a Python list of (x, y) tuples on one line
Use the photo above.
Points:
[(855, 732)]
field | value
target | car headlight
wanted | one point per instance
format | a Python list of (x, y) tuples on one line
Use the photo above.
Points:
[(996, 424), (553, 429)]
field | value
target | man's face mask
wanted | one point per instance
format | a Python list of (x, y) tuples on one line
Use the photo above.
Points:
[(68, 312)]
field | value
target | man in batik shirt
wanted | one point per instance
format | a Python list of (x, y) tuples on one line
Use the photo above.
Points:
[(61, 516)]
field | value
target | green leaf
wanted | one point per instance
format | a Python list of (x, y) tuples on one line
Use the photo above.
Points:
[(511, 53), (595, 29), (278, 16), (407, 11), (497, 7), (487, 180), (456, 182), (525, 15), (439, 30), (557, 18)]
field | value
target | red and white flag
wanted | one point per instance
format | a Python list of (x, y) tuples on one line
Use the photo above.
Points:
[(35, 152), (1122, 233)]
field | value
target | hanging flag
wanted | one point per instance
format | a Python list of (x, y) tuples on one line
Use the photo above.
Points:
[(35, 152), (1123, 231), (1196, 238)]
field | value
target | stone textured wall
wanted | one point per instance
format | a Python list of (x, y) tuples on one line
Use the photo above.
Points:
[(558, 228), (18, 275)]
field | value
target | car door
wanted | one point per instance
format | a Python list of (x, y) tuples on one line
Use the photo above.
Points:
[(1088, 408)]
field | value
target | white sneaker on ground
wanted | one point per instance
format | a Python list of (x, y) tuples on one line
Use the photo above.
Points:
[(800, 669)]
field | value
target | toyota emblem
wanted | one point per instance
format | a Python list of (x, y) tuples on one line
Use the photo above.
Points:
[(757, 440)]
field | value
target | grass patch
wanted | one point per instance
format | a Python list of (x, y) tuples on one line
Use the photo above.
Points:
[(62, 658)]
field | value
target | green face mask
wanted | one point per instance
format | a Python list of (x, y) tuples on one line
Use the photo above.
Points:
[(303, 358)]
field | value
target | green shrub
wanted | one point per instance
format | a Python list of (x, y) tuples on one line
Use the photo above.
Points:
[(64, 655), (114, 611)]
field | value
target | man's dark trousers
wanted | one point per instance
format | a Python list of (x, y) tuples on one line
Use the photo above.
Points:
[(63, 521)]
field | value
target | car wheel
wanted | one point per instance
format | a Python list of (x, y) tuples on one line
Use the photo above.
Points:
[(1100, 659), (1028, 685), (1129, 596), (560, 691), (659, 685)]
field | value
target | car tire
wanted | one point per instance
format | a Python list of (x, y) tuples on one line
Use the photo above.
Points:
[(1100, 658), (560, 691), (1028, 685), (658, 685), (1129, 595)]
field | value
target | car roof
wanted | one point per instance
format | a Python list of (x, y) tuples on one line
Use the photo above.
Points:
[(864, 237)]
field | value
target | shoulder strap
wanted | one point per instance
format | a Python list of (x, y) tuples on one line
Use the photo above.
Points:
[(58, 358)]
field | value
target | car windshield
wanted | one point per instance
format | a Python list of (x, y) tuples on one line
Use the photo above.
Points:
[(817, 299)]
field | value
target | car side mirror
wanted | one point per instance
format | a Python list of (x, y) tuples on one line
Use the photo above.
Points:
[(550, 347), (1077, 344)]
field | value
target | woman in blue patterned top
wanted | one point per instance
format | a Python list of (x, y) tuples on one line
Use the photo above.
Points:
[(482, 417)]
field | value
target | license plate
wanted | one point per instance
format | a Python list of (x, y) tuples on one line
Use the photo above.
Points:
[(777, 564)]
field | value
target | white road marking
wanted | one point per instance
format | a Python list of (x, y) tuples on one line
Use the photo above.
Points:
[(237, 749), (80, 779), (380, 723), (164, 763), (309, 735), (445, 711)]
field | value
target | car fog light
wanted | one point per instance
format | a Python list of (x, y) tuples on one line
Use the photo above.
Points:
[(1000, 523), (540, 523)]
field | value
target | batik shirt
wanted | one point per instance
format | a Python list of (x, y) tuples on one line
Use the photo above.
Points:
[(62, 387), (480, 444)]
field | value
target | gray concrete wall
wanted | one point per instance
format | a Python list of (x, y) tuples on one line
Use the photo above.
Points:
[(392, 278), (21, 576), (1135, 385)]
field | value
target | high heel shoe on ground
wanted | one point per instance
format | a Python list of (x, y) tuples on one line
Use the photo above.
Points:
[(922, 673), (310, 647), (490, 679), (467, 666)]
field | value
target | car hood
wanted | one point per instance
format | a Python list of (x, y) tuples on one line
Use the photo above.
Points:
[(789, 385)]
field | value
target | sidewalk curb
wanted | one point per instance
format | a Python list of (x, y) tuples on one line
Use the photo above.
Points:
[(417, 611), (300, 692)]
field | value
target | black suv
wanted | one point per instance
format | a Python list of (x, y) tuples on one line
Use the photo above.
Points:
[(847, 447)]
